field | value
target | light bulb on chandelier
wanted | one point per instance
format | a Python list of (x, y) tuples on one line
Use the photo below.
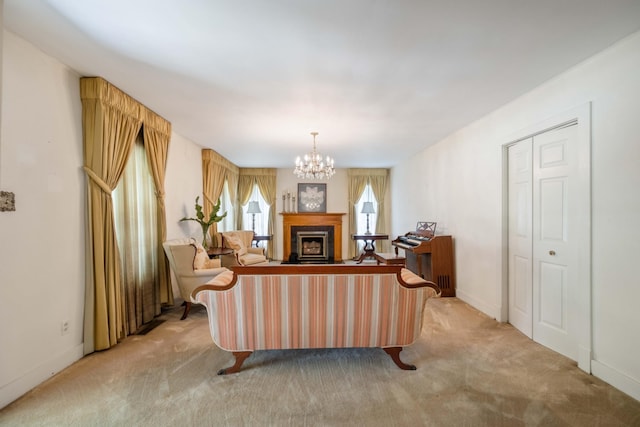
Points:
[(311, 166)]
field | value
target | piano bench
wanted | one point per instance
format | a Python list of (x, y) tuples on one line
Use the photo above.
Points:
[(389, 258)]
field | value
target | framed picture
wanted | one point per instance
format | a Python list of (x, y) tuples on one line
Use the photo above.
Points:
[(312, 197)]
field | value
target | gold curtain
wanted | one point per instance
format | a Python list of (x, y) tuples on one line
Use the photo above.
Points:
[(157, 134), (111, 121), (379, 179), (215, 170), (245, 187), (266, 181), (232, 183), (357, 184)]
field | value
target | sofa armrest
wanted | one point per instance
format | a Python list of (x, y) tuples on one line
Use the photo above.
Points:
[(409, 279), (221, 282)]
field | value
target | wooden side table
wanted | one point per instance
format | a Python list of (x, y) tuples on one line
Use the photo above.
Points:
[(217, 252), (369, 246), (389, 258), (258, 239)]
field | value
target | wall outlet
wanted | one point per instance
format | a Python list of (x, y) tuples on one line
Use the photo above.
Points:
[(64, 327)]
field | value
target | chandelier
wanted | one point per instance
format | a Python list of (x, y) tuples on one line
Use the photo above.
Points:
[(311, 166)]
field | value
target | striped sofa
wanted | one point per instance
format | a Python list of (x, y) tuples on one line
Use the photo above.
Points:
[(314, 306)]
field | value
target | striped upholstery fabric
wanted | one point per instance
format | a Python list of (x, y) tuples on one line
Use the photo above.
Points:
[(262, 312)]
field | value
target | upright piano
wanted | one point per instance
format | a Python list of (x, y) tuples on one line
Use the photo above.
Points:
[(429, 256)]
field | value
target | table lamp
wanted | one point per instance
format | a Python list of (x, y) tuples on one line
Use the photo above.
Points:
[(367, 208), (253, 209)]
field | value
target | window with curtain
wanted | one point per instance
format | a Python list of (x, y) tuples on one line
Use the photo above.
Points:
[(226, 205), (135, 216), (261, 219), (361, 220)]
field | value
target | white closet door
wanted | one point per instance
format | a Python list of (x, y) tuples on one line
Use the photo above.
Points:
[(520, 239), (549, 234), (555, 250)]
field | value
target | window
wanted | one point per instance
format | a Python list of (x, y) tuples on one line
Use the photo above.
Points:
[(261, 219), (226, 205), (135, 207), (361, 220)]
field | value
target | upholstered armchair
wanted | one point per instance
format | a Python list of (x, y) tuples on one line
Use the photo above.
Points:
[(191, 266), (243, 254)]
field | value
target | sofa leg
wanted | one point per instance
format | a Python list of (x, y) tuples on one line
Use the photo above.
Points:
[(187, 308), (394, 352), (240, 358)]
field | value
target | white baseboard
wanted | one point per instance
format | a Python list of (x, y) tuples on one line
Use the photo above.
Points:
[(617, 379), (584, 358), (16, 388), (493, 312)]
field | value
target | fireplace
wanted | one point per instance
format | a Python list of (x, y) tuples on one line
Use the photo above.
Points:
[(312, 246), (314, 225)]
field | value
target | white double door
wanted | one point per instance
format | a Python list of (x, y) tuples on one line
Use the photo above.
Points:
[(544, 255)]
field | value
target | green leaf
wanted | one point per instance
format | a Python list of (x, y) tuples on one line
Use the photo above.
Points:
[(213, 216)]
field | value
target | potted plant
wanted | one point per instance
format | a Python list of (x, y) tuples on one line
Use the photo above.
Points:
[(205, 224)]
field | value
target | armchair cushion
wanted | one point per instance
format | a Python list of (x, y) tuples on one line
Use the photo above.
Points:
[(201, 260), (234, 242), (252, 258)]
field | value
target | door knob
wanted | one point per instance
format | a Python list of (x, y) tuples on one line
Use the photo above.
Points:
[(552, 252)]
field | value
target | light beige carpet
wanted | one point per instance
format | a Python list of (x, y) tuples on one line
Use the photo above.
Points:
[(472, 371)]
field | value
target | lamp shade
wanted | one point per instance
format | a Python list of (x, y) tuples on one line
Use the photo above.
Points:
[(254, 208), (367, 208)]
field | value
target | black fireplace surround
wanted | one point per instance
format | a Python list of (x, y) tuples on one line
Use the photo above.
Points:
[(318, 241)]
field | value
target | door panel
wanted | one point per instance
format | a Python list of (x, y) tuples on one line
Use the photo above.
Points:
[(554, 248), (520, 238), (522, 284), (553, 296), (553, 209), (553, 154)]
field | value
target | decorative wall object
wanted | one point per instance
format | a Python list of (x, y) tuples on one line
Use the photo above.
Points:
[(312, 197), (7, 201), (288, 202)]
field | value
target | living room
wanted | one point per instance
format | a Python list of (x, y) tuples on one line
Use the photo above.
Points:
[(42, 256)]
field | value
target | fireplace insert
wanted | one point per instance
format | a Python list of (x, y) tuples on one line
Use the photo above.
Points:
[(313, 246)]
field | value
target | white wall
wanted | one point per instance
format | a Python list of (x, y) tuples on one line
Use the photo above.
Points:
[(183, 183), (461, 189), (42, 242)]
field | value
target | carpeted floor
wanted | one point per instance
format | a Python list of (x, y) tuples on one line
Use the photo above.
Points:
[(472, 371)]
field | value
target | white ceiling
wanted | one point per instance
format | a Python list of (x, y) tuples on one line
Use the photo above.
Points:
[(378, 79)]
